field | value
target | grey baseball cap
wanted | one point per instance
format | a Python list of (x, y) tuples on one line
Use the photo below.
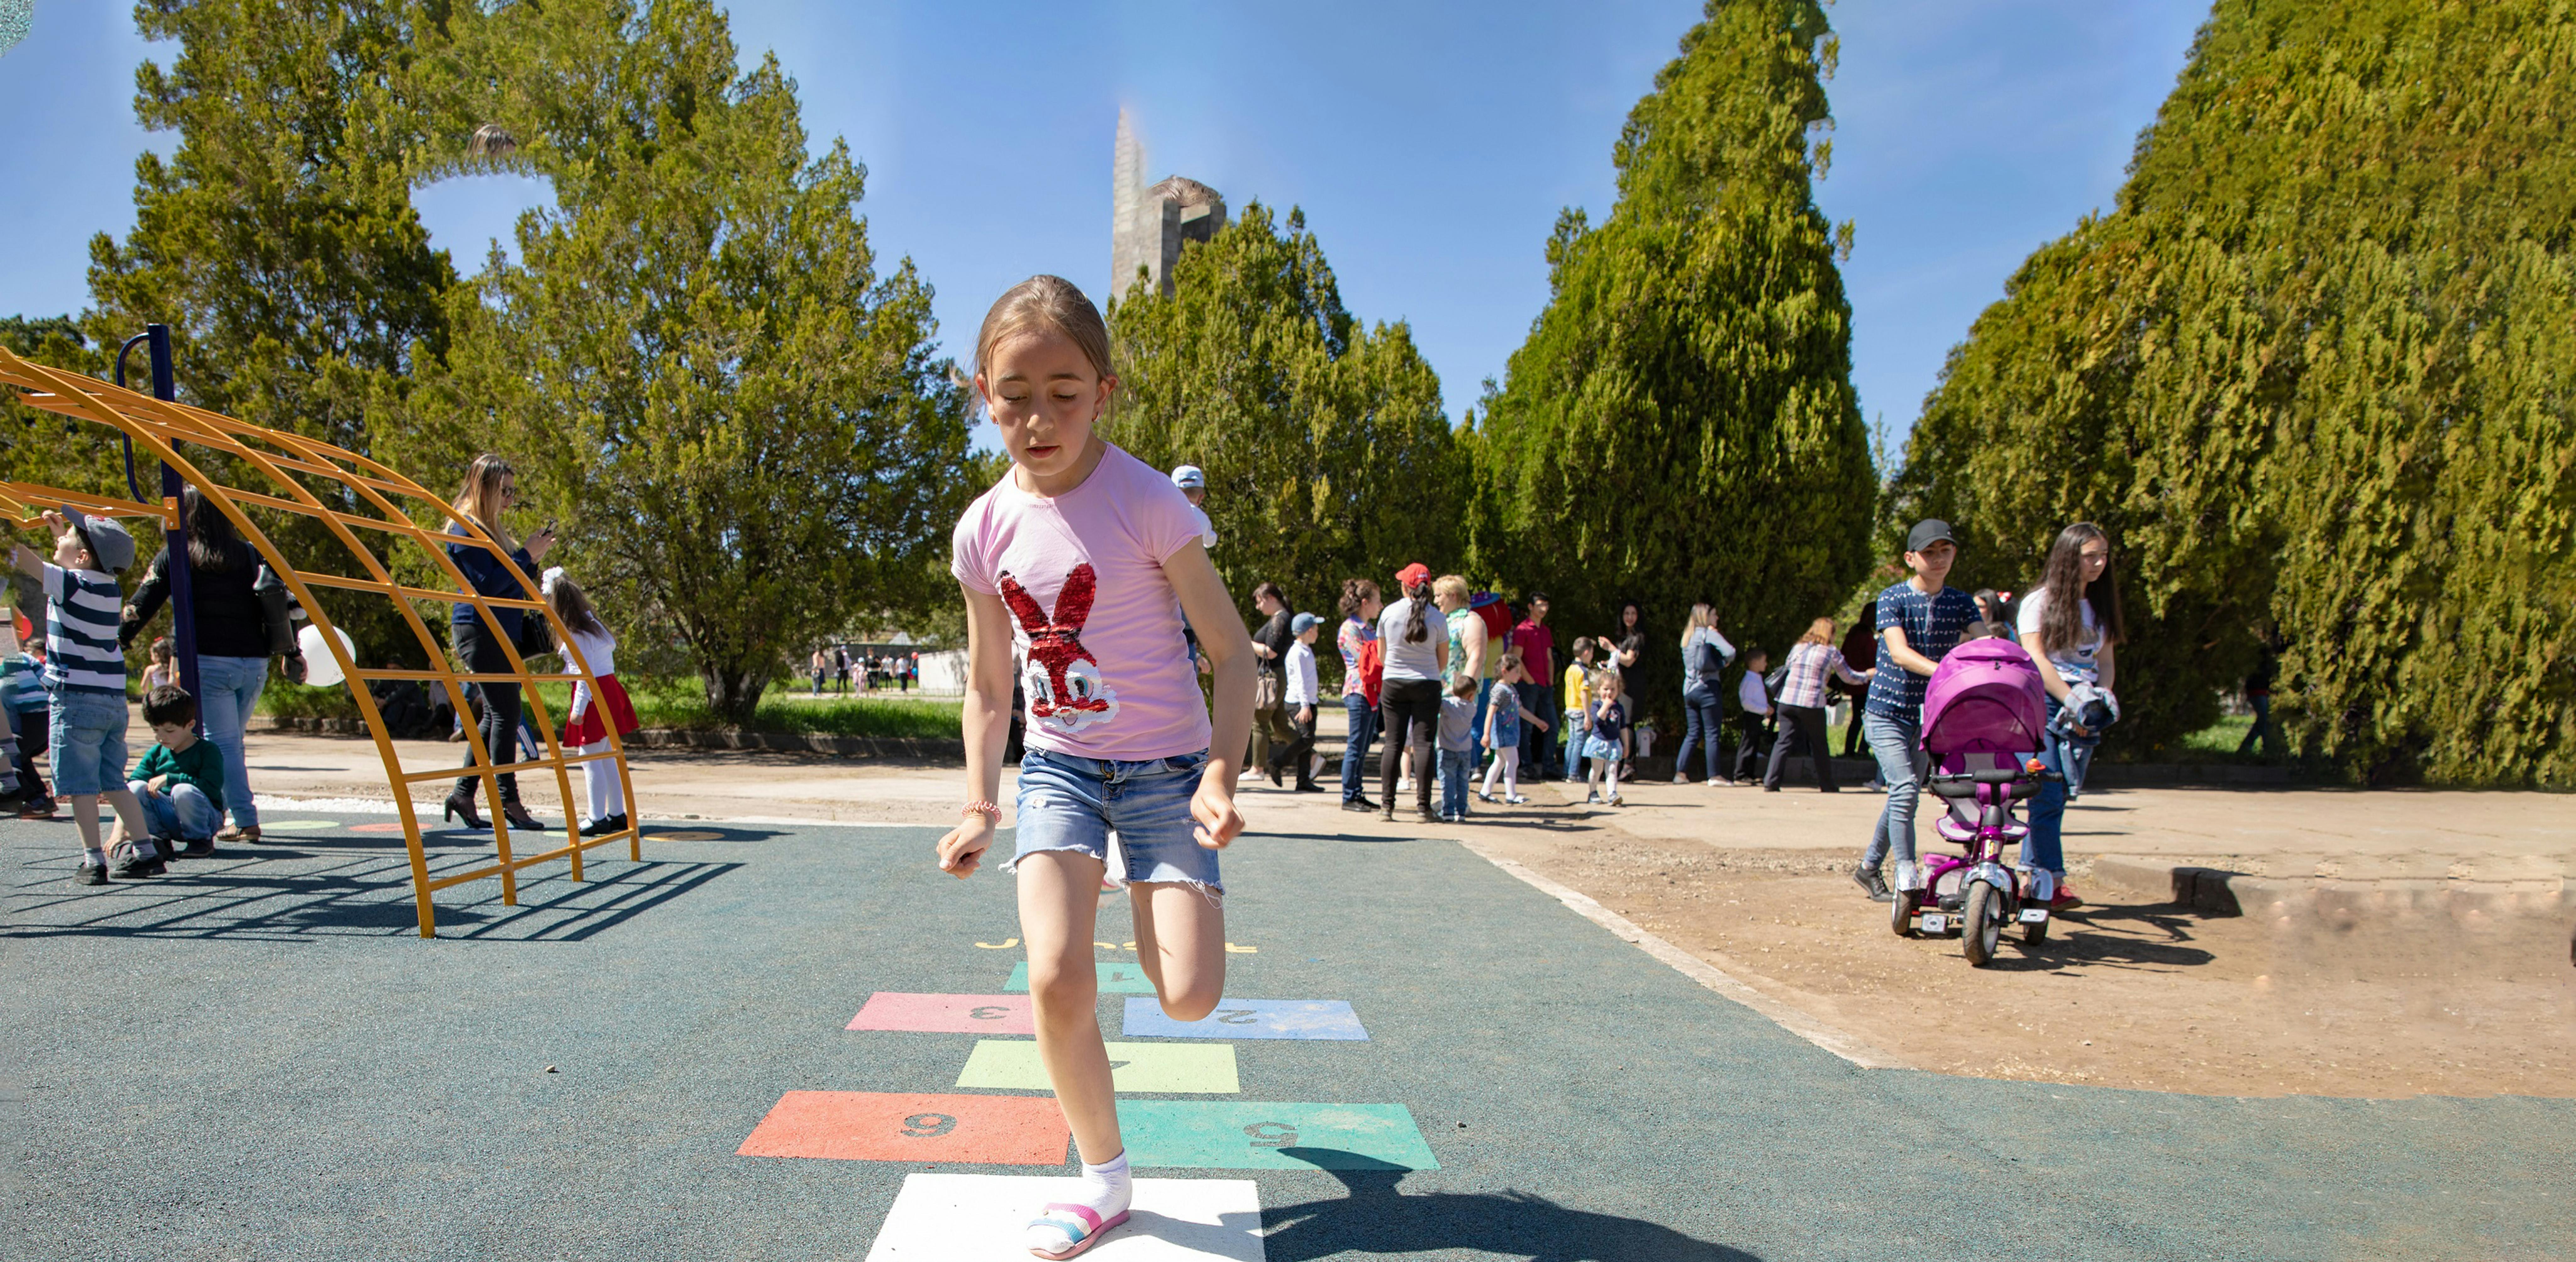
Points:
[(1298, 624), (1929, 531), (106, 538)]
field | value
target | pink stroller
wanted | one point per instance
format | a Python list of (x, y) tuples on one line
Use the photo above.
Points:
[(1983, 713)]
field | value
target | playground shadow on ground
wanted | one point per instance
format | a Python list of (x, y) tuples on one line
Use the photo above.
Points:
[(343, 886), (1380, 1218)]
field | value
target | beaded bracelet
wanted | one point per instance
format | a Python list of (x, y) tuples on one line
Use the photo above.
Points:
[(984, 808)]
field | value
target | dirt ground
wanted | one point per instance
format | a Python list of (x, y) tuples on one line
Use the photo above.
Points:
[(2126, 992), (2130, 991)]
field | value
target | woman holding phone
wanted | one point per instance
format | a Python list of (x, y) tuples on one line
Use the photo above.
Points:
[(489, 491)]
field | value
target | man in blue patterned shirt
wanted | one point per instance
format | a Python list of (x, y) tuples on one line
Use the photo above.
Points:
[(1919, 621)]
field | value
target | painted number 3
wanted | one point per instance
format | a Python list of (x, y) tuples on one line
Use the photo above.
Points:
[(1272, 1135), (928, 1125)]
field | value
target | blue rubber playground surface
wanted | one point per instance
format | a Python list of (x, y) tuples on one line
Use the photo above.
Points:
[(750, 1045)]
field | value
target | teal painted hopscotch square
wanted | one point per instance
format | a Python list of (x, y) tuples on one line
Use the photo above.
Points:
[(1249, 1135), (1115, 979), (1180, 1068)]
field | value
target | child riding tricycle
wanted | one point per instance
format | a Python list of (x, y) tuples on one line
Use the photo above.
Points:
[(1983, 713)]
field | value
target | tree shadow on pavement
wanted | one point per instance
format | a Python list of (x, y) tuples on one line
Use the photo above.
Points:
[(1379, 1218)]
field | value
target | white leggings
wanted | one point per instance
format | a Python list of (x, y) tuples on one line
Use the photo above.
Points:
[(1610, 767), (607, 794), (1507, 763)]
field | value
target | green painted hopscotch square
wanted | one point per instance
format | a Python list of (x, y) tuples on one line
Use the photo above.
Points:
[(1199, 1068), (1115, 979), (1250, 1135)]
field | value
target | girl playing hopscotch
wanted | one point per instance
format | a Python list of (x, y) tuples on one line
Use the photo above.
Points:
[(1086, 560)]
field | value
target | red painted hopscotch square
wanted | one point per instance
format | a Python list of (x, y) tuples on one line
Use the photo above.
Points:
[(946, 1014), (1001, 1130)]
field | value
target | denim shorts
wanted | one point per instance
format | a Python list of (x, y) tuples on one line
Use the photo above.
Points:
[(1070, 803), (88, 737)]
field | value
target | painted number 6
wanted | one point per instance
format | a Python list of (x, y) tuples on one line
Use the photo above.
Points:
[(1272, 1135), (928, 1125)]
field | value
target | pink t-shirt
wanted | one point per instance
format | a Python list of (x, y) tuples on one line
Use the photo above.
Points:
[(1097, 625)]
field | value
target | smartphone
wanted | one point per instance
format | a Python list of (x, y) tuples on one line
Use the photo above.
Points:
[(550, 527)]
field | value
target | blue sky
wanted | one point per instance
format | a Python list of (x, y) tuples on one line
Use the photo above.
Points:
[(1431, 146)]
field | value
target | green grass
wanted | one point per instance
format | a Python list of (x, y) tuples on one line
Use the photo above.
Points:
[(682, 704)]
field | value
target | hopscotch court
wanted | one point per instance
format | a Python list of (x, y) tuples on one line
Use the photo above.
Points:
[(1003, 1113)]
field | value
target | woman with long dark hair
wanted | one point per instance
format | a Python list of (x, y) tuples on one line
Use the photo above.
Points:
[(491, 487), (237, 632), (1409, 695), (2070, 626), (1361, 605)]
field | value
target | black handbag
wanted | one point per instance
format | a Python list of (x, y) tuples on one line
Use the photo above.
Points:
[(536, 635)]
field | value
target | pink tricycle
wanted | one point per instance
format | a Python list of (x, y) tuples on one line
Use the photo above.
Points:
[(1983, 713)]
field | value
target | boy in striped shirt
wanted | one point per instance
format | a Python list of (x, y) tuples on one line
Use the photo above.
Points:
[(86, 674)]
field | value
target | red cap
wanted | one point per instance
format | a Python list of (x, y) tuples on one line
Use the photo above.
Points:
[(1412, 574)]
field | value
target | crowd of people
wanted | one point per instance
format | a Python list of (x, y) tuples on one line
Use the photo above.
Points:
[(837, 666)]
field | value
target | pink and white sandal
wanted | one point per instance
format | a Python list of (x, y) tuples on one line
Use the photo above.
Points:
[(1080, 1223)]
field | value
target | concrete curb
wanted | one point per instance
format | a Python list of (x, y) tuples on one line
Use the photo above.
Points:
[(1695, 968), (2219, 892)]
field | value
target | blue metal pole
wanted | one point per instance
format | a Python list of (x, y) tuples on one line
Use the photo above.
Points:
[(183, 604)]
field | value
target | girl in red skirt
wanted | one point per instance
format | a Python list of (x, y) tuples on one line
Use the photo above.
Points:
[(587, 728)]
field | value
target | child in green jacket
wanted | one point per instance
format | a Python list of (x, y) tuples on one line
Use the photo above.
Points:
[(180, 781)]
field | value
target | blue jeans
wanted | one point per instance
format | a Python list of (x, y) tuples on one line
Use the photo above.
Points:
[(1538, 749), (185, 812), (228, 693), (1476, 725), (88, 740), (2068, 756), (1892, 739), (1355, 751), (1073, 803), (1575, 727), (1455, 764), (1702, 717)]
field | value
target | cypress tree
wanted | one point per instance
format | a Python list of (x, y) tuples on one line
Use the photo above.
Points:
[(1324, 443), (1680, 425), (2314, 373)]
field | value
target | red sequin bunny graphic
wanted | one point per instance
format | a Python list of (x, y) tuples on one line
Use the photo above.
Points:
[(1062, 679)]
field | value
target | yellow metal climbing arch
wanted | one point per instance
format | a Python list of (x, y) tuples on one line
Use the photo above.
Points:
[(283, 461)]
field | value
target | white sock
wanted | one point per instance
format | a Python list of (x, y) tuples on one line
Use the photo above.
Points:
[(1106, 1191), (95, 858), (600, 778)]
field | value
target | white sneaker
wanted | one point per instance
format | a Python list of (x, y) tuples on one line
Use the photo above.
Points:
[(1517, 800)]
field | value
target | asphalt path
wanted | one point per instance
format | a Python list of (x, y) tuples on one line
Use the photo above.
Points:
[(257, 1057)]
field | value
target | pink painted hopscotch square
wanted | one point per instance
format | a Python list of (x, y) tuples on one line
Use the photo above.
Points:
[(946, 1014)]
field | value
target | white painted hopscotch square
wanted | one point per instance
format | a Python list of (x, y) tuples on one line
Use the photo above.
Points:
[(981, 1218)]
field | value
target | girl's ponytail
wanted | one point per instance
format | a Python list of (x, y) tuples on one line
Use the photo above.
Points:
[(1416, 628)]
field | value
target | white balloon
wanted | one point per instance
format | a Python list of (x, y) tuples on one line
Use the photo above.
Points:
[(321, 670)]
